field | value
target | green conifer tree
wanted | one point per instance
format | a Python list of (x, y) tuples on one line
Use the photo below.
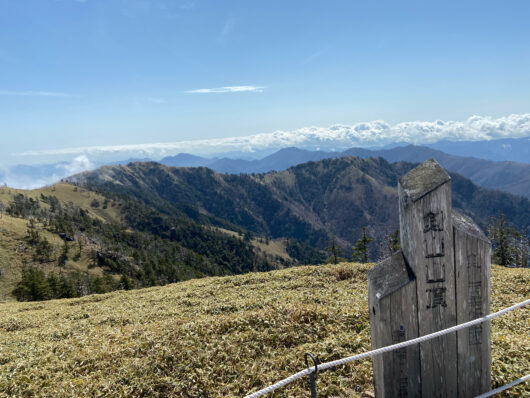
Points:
[(360, 249), (335, 252), (33, 286), (500, 235)]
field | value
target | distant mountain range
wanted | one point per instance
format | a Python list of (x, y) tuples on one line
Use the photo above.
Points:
[(278, 161), (505, 149), (507, 176), (501, 164)]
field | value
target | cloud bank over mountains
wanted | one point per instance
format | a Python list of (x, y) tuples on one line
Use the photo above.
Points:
[(336, 137), (49, 166), (36, 176)]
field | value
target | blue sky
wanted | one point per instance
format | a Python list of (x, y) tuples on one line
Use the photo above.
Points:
[(121, 72)]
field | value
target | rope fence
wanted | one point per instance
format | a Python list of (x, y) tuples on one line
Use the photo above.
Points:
[(505, 387), (392, 347)]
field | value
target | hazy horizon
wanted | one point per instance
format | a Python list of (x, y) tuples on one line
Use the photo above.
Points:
[(99, 76)]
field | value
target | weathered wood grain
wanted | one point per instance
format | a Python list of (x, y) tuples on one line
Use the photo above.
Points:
[(427, 244), (440, 278), (472, 264), (393, 318)]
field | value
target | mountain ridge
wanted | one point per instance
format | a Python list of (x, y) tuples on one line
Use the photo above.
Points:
[(259, 161), (506, 176), (311, 202)]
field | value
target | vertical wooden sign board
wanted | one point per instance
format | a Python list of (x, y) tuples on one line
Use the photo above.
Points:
[(427, 242), (472, 265), (393, 319), (439, 279)]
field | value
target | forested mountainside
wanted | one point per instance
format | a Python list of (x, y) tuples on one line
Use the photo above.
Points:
[(146, 224), (314, 202), (66, 241), (507, 176)]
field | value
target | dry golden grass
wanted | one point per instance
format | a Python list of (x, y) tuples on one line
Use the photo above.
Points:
[(274, 247), (14, 249), (277, 247), (67, 194), (219, 336)]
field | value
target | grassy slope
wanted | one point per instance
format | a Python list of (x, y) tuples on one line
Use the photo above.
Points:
[(219, 336), (14, 250), (66, 193), (275, 247)]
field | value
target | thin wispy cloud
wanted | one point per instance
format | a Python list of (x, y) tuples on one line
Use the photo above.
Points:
[(334, 137), (11, 93), (315, 55), (227, 89), (228, 27)]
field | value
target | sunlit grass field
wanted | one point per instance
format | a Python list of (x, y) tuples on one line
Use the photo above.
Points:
[(223, 336), (14, 249), (16, 253)]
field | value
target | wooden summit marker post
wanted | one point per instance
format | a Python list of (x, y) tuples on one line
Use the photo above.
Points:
[(427, 242), (440, 278)]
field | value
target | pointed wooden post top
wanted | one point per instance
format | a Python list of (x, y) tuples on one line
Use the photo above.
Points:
[(467, 225), (390, 275), (423, 179)]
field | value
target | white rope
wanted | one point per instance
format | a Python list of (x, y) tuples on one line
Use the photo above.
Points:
[(382, 350), (505, 387)]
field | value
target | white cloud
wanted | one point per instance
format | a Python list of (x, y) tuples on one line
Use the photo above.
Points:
[(34, 93), (227, 89), (328, 138), (80, 163), (36, 176)]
